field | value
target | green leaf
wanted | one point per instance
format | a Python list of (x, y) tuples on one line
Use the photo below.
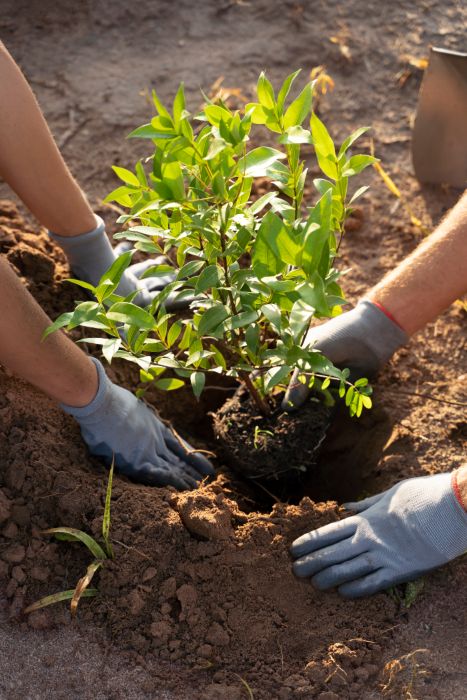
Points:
[(276, 376), (155, 346), (273, 314), (212, 318), (125, 312), (173, 178), (241, 320), (265, 92), (190, 269), (285, 89), (313, 293), (73, 535), (197, 380), (317, 232), (58, 598), (62, 321), (296, 134), (121, 195), (257, 162), (126, 176), (215, 114), (141, 175), (210, 277), (157, 271), (169, 384), (300, 107), (162, 111), (216, 146), (85, 312), (263, 201), (179, 105), (110, 347), (358, 193), (174, 333), (265, 259), (356, 164), (322, 185), (351, 139), (324, 147), (252, 338), (106, 518), (148, 131), (299, 319), (113, 275)]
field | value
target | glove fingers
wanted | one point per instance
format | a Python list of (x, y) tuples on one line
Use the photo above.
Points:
[(374, 582), (324, 536), (311, 564), (156, 284), (296, 394), (123, 247), (183, 450), (164, 473), (184, 467), (140, 268), (348, 570), (360, 506)]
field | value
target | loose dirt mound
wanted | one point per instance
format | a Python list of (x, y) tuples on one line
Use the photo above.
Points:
[(201, 591)]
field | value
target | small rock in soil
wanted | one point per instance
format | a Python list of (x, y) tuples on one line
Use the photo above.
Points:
[(10, 531), (14, 554), (217, 635), (187, 596), (18, 574), (40, 573), (160, 631)]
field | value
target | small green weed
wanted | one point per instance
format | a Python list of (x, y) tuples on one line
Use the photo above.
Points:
[(101, 555)]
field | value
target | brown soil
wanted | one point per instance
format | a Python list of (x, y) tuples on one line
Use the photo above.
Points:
[(280, 446), (201, 596)]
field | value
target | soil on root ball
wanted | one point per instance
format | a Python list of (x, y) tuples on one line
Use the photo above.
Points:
[(281, 445)]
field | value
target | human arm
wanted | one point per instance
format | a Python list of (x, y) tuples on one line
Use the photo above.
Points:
[(111, 419), (417, 525), (31, 163), (407, 298)]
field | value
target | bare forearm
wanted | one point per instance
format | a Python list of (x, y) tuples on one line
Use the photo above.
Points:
[(431, 278), (30, 161), (56, 366)]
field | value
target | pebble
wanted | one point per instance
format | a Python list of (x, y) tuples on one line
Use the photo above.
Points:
[(18, 574), (14, 554), (217, 635), (40, 573), (10, 531)]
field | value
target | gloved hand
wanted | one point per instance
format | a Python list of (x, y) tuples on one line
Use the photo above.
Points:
[(362, 340), (91, 254), (398, 535), (117, 423)]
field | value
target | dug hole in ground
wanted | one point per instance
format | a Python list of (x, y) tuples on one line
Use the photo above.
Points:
[(201, 597)]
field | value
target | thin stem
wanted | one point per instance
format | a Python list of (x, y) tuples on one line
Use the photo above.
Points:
[(254, 393)]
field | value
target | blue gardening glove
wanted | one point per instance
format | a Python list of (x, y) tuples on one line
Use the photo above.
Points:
[(91, 254), (362, 339), (146, 450), (414, 527)]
